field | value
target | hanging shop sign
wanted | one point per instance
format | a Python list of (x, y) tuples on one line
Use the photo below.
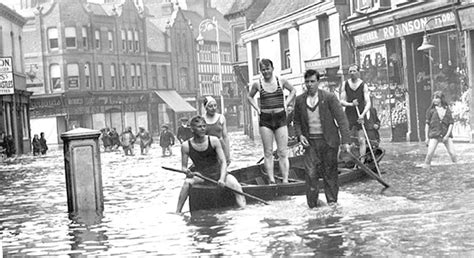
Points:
[(405, 28), (6, 76), (322, 64)]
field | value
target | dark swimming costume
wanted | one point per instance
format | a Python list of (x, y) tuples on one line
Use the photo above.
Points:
[(273, 120), (351, 112), (206, 161)]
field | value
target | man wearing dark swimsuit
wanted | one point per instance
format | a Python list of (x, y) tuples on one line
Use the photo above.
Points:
[(208, 158)]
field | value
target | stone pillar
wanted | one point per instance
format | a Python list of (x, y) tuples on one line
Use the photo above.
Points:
[(83, 170)]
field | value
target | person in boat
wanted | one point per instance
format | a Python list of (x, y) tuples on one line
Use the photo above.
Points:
[(273, 116), (438, 128), (356, 94), (315, 112), (216, 125), (208, 157)]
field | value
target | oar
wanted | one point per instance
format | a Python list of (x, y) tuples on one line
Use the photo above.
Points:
[(370, 145), (215, 182), (368, 171)]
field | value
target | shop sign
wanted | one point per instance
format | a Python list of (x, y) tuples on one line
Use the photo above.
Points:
[(322, 64), (45, 103), (405, 28), (6, 76), (467, 18)]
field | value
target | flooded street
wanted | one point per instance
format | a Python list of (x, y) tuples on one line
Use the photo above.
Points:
[(424, 213)]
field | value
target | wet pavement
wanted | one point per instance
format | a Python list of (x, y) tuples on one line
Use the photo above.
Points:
[(426, 212)]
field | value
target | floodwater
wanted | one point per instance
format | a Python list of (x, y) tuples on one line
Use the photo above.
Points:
[(424, 213)]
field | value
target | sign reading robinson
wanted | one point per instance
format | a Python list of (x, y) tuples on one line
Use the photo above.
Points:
[(6, 76)]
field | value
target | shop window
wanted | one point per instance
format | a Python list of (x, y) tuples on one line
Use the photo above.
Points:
[(110, 37), (100, 75), (284, 50), (87, 75), (97, 39), (113, 78), (255, 57), (72, 75), (53, 38), (84, 37), (324, 36), (70, 33), (55, 75)]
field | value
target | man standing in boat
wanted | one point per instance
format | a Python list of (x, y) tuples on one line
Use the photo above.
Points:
[(316, 111), (208, 158)]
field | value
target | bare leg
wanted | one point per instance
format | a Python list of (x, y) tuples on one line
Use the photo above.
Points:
[(432, 144), (362, 143), (281, 137), (450, 148), (232, 182), (183, 195), (267, 139)]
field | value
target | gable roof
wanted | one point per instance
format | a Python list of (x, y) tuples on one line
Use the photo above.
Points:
[(239, 6), (279, 8)]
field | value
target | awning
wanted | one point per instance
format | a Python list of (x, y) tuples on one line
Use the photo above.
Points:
[(175, 101)]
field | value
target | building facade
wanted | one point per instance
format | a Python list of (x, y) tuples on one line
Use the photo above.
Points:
[(386, 37), (88, 65), (14, 102)]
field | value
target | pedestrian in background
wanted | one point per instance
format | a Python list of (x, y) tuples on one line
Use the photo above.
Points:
[(166, 141), (10, 149), (127, 139), (145, 140), (355, 95), (44, 146), (115, 138), (316, 111), (106, 139), (273, 116), (184, 131), (438, 128), (216, 125), (36, 145)]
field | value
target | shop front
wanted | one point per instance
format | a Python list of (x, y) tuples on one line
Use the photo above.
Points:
[(327, 68), (402, 78)]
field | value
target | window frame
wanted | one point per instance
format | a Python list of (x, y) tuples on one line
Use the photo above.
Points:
[(52, 39)]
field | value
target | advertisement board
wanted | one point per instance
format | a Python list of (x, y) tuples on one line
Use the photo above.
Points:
[(6, 76)]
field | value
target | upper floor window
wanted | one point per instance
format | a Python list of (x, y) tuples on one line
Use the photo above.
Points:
[(324, 36), (110, 36), (164, 75), (238, 49), (70, 33), (87, 75), (53, 38), (132, 73), (130, 40), (123, 72), (139, 76), (100, 75), (154, 76), (137, 42), (55, 76), (284, 50), (97, 39), (183, 78), (113, 78), (72, 75), (124, 40), (255, 57), (84, 37)]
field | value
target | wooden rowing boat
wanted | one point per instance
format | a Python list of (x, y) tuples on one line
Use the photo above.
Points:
[(254, 181)]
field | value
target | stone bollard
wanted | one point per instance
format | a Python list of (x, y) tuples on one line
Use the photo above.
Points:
[(83, 170)]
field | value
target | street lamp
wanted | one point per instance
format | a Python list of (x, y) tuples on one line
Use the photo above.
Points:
[(425, 45), (206, 25)]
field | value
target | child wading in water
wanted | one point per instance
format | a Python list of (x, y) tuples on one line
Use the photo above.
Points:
[(439, 127)]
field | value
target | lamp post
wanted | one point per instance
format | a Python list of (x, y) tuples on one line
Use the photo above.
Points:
[(206, 25)]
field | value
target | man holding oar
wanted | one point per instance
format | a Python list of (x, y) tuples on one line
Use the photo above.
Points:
[(208, 158), (315, 113)]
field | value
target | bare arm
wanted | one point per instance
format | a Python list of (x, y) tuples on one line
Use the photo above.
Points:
[(184, 156), (251, 95), (292, 91), (215, 142), (225, 138), (368, 104)]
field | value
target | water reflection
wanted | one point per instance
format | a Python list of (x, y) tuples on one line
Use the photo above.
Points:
[(86, 231)]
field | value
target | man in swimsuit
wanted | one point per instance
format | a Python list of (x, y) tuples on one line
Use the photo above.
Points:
[(208, 158), (356, 94)]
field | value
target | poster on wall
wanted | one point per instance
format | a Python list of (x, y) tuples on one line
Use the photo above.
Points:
[(6, 76), (34, 75)]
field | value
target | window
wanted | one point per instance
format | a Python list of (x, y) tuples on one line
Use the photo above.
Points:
[(1, 41), (137, 42), (53, 38), (132, 73), (113, 78), (139, 76), (255, 56), (154, 76), (84, 37), (87, 75), (72, 75), (238, 48), (183, 78), (164, 75), (325, 39), (97, 39), (110, 36), (70, 33), (100, 75), (123, 72), (284, 50), (55, 75), (124, 40), (130, 40)]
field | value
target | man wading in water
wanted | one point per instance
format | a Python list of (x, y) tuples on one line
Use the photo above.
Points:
[(208, 158)]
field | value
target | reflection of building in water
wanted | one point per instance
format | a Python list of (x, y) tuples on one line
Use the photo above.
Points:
[(87, 231)]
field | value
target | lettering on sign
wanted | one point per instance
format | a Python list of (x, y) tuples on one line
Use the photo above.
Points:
[(6, 76), (322, 63), (405, 28)]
